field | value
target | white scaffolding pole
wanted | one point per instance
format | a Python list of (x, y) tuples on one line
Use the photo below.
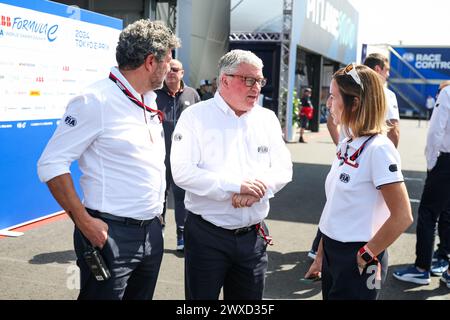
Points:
[(286, 83)]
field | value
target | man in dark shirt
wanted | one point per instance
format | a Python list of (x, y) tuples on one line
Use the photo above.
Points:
[(172, 99)]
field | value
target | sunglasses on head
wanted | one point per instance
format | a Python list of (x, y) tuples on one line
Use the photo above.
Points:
[(351, 71)]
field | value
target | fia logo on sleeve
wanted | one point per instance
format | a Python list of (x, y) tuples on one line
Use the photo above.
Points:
[(70, 121)]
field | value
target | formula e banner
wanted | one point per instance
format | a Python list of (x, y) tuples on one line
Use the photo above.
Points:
[(49, 52)]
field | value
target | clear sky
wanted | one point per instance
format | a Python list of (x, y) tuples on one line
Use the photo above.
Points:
[(413, 22)]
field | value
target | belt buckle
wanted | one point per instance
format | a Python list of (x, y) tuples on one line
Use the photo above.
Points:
[(241, 230)]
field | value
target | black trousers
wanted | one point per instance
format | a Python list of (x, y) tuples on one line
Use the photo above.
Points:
[(178, 197), (216, 258), (133, 255), (443, 250), (316, 241), (341, 279), (434, 205)]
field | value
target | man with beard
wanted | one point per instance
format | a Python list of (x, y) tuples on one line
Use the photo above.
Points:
[(115, 132)]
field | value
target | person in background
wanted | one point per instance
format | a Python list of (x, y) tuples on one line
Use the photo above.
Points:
[(172, 99), (430, 105), (229, 155), (114, 130), (380, 64), (367, 205), (306, 112), (435, 201), (205, 90)]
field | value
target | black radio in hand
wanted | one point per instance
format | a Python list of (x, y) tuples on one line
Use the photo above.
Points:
[(96, 263)]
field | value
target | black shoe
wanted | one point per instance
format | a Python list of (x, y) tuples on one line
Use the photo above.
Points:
[(301, 140)]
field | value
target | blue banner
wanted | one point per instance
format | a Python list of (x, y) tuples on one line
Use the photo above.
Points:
[(49, 52), (416, 73), (24, 197)]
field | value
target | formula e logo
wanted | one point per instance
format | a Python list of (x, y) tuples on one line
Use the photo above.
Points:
[(70, 121), (345, 178), (6, 21), (408, 56)]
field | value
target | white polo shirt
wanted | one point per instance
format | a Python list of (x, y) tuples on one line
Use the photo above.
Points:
[(392, 105), (123, 170), (355, 208), (438, 138), (214, 151)]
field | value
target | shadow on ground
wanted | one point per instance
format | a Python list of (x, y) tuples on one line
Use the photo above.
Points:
[(285, 271), (176, 253), (284, 274), (401, 290), (62, 257)]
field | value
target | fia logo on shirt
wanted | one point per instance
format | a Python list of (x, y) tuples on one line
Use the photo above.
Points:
[(177, 137), (70, 121), (263, 149), (344, 177)]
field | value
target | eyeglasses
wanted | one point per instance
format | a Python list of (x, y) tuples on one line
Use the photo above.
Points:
[(175, 69), (249, 81), (351, 71)]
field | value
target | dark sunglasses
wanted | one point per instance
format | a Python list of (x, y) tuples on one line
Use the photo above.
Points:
[(175, 69)]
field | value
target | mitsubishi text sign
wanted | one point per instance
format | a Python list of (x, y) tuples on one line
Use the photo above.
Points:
[(327, 27), (49, 52)]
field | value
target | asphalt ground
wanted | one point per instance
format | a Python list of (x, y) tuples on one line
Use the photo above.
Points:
[(40, 265)]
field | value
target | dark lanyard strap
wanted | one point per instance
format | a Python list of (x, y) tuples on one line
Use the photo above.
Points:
[(137, 102), (358, 152), (351, 161)]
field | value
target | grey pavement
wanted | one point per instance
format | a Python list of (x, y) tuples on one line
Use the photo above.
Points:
[(41, 263)]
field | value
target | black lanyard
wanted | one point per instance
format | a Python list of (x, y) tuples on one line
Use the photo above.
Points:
[(137, 102), (352, 160)]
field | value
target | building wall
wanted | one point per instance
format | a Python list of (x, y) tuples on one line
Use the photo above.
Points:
[(256, 16), (204, 27)]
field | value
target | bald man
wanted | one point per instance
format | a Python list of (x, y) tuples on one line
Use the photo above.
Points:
[(172, 99)]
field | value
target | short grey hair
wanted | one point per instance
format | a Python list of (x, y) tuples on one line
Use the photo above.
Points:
[(142, 38), (231, 61)]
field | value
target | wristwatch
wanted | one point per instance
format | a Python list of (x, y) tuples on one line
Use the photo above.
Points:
[(366, 254)]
